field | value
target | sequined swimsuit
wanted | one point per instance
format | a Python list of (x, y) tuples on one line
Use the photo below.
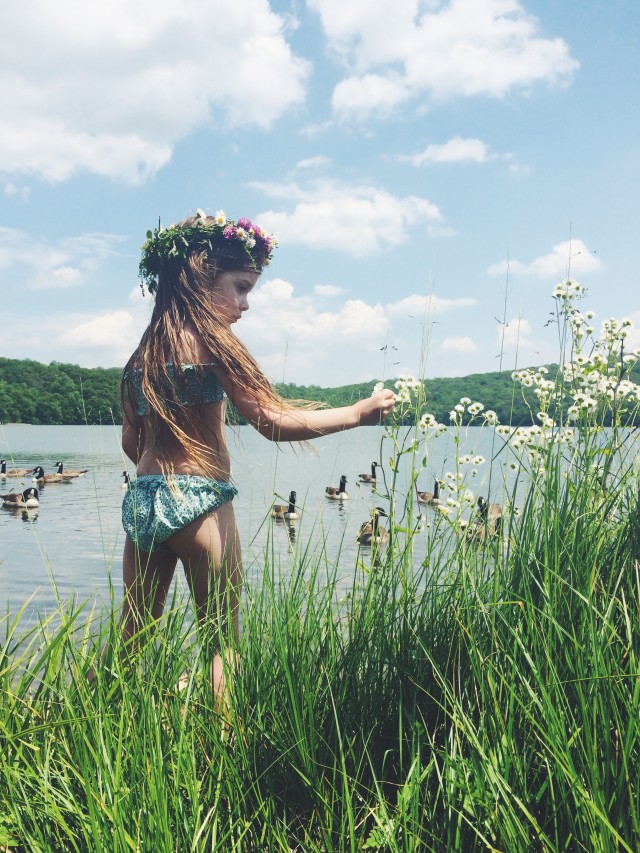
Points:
[(200, 386)]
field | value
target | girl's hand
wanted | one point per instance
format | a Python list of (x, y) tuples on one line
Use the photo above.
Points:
[(374, 409)]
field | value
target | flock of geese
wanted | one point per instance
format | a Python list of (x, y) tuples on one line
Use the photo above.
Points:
[(29, 498), (371, 532), (487, 521)]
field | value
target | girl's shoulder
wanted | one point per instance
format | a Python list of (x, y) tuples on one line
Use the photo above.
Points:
[(194, 352)]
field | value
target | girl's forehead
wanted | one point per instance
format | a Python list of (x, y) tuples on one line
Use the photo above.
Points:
[(239, 276)]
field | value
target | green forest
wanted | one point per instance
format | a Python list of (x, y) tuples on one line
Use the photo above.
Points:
[(35, 393)]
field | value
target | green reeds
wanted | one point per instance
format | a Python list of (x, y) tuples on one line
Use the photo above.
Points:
[(488, 698)]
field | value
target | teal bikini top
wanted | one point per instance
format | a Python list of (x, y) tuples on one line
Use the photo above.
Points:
[(198, 386)]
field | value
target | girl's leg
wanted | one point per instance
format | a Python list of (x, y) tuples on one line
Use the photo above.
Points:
[(147, 578), (209, 549)]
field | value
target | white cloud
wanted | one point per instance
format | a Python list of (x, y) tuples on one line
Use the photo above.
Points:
[(296, 339), (633, 338), (456, 150), (39, 265), (358, 219), (112, 88), (101, 340), (515, 335), (459, 344), (328, 290), (319, 162), (420, 306), (115, 329), (572, 257), (14, 191), (436, 50), (358, 97)]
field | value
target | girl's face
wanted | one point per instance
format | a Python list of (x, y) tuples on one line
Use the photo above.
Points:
[(230, 293)]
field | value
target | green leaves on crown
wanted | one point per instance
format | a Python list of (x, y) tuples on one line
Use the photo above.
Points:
[(167, 249)]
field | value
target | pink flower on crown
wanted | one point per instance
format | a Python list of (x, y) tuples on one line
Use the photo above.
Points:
[(244, 223), (230, 232)]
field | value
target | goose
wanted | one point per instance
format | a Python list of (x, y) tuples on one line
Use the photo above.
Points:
[(292, 513), (40, 477), (20, 500), (488, 512), (369, 478), (430, 498), (70, 474), (370, 531), (487, 522), (286, 512), (337, 494), (127, 479), (16, 472)]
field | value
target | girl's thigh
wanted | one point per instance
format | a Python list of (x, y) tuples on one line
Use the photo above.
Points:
[(209, 549), (147, 578)]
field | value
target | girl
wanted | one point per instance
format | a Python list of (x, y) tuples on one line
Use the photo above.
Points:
[(201, 273)]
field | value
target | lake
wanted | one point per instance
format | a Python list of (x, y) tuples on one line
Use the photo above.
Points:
[(73, 542)]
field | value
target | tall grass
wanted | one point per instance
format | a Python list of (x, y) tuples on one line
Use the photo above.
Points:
[(461, 695)]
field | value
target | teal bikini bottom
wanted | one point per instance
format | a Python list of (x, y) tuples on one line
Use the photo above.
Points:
[(152, 512)]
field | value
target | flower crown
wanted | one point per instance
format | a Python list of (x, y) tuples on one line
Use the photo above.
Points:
[(240, 243)]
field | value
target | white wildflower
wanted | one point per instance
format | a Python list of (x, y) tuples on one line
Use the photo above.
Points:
[(427, 421)]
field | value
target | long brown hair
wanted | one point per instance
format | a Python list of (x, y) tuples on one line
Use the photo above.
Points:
[(182, 297)]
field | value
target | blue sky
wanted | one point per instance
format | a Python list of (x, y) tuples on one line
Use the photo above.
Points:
[(430, 169)]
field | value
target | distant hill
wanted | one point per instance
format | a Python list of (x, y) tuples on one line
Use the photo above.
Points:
[(35, 393)]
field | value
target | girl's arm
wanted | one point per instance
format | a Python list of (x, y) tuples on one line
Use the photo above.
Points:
[(132, 433), (289, 424)]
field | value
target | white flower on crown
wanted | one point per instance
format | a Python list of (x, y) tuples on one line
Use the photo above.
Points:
[(220, 217)]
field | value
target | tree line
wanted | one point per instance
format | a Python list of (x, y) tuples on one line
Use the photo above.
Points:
[(57, 393)]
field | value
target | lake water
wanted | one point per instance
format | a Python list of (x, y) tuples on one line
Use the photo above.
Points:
[(73, 542)]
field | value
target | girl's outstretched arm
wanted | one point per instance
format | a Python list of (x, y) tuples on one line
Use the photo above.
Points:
[(290, 424)]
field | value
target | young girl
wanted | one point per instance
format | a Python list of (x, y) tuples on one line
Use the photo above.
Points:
[(201, 273)]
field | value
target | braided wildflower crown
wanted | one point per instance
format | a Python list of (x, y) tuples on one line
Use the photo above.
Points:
[(232, 244)]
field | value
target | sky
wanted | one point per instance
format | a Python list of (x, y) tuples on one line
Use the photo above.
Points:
[(430, 170)]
